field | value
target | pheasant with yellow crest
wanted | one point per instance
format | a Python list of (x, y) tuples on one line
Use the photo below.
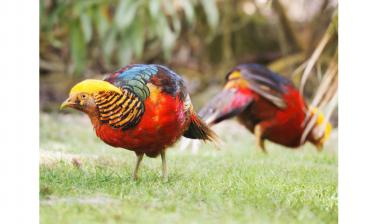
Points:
[(143, 108), (269, 106)]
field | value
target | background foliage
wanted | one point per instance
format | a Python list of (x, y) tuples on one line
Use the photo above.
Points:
[(201, 40)]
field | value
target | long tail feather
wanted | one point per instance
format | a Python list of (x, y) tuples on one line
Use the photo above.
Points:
[(199, 130), (225, 105)]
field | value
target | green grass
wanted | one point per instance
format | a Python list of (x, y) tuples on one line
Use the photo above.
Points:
[(236, 184)]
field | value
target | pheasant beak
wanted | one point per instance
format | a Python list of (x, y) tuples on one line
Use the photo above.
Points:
[(67, 103)]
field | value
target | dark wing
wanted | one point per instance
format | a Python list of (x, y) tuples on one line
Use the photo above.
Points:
[(170, 82), (266, 83), (231, 101), (226, 104), (136, 77)]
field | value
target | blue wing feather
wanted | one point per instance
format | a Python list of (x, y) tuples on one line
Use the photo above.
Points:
[(135, 78)]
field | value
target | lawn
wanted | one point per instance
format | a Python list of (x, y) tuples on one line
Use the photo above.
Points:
[(236, 184)]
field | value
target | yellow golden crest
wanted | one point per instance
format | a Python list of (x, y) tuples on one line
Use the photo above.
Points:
[(93, 86), (235, 75), (235, 80)]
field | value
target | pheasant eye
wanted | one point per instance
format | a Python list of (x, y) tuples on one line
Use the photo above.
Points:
[(83, 96)]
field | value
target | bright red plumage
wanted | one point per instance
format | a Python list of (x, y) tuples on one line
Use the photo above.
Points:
[(162, 124), (282, 126), (267, 104)]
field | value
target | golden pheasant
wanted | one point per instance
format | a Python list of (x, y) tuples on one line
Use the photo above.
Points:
[(143, 108), (269, 106)]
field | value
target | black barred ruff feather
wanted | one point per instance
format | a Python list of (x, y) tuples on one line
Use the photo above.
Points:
[(119, 110)]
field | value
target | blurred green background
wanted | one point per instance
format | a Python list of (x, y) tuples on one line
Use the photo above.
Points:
[(201, 40)]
